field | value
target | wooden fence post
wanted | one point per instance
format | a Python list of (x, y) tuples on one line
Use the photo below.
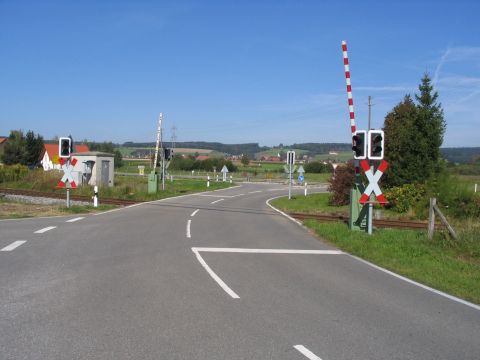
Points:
[(431, 218)]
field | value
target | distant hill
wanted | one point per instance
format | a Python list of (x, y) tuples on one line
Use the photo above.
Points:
[(456, 155), (232, 149), (460, 155)]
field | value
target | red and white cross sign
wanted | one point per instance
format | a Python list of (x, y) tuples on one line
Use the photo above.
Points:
[(373, 182), (67, 167)]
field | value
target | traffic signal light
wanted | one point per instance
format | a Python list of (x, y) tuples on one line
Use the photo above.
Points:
[(64, 147), (359, 145), (168, 154), (375, 144)]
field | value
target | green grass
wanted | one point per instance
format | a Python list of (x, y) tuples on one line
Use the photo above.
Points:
[(126, 187), (442, 264)]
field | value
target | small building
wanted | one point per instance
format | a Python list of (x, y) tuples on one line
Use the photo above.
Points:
[(50, 152), (94, 168)]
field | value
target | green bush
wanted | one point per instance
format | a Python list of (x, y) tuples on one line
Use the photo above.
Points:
[(12, 173), (454, 196), (403, 198)]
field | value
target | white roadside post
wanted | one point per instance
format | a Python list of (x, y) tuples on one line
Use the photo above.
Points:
[(95, 196), (231, 180), (208, 181), (290, 162), (305, 189), (475, 187)]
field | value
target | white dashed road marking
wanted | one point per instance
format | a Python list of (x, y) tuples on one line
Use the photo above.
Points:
[(189, 235), (41, 231), (13, 245), (306, 352), (216, 201), (254, 192), (76, 219), (195, 212)]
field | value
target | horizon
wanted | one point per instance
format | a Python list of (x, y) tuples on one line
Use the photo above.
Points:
[(103, 71)]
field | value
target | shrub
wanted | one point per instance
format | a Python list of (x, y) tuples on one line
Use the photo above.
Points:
[(402, 198), (341, 183), (12, 173)]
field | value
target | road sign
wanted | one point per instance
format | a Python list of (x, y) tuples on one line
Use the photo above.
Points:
[(301, 170), (373, 182), (224, 172), (301, 178), (67, 167), (291, 157)]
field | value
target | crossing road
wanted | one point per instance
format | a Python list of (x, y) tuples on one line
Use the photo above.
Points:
[(217, 275)]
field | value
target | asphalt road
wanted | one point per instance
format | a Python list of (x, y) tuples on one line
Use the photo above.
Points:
[(217, 275)]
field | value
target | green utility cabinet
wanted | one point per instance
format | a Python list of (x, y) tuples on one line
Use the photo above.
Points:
[(152, 183)]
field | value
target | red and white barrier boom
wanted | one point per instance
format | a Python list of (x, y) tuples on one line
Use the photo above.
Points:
[(349, 87)]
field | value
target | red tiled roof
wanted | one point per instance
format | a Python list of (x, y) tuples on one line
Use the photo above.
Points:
[(52, 149), (81, 148), (3, 139), (201, 157)]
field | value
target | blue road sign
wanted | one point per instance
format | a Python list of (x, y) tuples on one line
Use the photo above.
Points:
[(301, 178)]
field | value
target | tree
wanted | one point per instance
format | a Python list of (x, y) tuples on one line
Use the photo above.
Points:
[(431, 122), (413, 136), (341, 183), (118, 159), (14, 148), (33, 149), (245, 160)]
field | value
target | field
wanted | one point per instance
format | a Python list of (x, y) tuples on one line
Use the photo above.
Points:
[(276, 151), (127, 151), (341, 157)]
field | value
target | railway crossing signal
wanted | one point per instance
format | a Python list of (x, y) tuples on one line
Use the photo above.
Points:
[(373, 179), (67, 167), (375, 144), (64, 147), (359, 145)]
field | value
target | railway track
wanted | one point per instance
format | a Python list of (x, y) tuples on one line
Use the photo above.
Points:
[(399, 224), (33, 193)]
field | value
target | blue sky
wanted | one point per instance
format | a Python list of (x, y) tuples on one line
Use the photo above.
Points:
[(232, 71)]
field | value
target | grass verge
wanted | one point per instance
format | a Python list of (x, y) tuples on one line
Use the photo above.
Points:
[(17, 210)]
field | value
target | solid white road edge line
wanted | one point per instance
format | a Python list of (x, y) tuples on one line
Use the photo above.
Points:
[(267, 251), (76, 219), (216, 201), (41, 231), (281, 212), (254, 192), (425, 287), (306, 352), (195, 213), (13, 245), (189, 235), (215, 277), (400, 277)]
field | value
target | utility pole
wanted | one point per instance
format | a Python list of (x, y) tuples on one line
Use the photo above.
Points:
[(174, 136), (370, 204)]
